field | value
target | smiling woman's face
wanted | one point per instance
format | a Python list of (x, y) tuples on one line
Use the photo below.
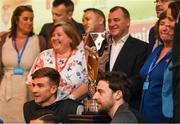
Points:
[(60, 40), (25, 22), (166, 30)]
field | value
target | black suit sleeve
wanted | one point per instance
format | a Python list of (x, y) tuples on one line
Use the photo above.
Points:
[(42, 43), (152, 39), (176, 73), (45, 31), (42, 31), (26, 113), (176, 49), (140, 59), (137, 83)]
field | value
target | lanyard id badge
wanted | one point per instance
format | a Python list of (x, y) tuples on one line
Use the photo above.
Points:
[(152, 66), (19, 70), (146, 85)]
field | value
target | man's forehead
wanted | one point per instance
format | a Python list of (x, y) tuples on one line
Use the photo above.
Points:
[(102, 84), (60, 5), (41, 80)]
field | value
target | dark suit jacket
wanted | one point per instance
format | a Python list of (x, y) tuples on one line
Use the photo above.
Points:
[(46, 29), (176, 73), (124, 115), (130, 60), (152, 39)]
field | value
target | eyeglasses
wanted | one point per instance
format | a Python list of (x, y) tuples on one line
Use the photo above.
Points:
[(161, 1)]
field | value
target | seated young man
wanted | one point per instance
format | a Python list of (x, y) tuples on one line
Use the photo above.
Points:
[(112, 95), (45, 86)]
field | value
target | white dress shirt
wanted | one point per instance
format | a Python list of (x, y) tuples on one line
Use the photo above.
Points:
[(115, 50)]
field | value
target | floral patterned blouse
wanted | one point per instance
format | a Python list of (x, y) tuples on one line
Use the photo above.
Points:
[(73, 70)]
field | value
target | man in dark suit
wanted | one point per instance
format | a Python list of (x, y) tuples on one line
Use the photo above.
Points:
[(44, 88), (127, 54), (176, 72), (62, 10), (173, 14)]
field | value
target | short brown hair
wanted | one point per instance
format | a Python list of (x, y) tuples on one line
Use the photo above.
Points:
[(98, 13), (124, 10), (46, 115), (51, 73), (70, 31), (117, 81), (67, 3)]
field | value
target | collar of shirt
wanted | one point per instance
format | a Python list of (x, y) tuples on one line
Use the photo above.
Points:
[(115, 49), (122, 40)]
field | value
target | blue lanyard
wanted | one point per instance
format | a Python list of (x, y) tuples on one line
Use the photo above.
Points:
[(21, 53), (154, 64)]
